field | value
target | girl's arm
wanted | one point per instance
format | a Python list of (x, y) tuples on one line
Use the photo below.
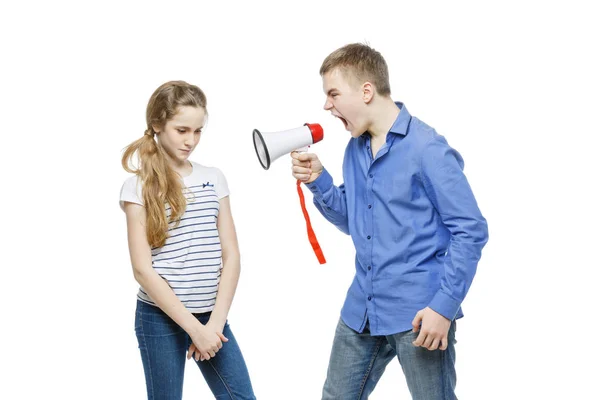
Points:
[(156, 287), (231, 265)]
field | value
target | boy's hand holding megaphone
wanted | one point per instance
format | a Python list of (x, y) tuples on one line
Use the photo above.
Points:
[(306, 167)]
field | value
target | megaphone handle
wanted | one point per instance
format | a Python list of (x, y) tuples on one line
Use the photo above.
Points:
[(311, 234)]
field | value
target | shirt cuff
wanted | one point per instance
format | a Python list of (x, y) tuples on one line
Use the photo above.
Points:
[(323, 183), (444, 305)]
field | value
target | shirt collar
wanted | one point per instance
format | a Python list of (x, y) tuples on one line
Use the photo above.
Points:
[(400, 125)]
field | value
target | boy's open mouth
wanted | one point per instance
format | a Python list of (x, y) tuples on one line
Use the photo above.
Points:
[(343, 121)]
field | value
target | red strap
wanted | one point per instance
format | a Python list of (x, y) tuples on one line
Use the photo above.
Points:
[(311, 234)]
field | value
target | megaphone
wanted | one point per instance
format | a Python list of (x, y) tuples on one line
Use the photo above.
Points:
[(270, 146)]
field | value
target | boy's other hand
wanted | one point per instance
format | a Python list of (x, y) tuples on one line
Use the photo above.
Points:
[(433, 329)]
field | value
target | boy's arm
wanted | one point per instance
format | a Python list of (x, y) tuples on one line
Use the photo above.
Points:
[(451, 195), (448, 189), (330, 200)]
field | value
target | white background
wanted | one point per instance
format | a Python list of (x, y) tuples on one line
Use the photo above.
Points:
[(512, 85)]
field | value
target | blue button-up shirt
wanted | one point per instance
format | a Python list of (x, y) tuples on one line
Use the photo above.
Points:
[(415, 224)]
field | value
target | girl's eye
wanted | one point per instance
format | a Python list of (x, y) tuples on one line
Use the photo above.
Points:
[(181, 130)]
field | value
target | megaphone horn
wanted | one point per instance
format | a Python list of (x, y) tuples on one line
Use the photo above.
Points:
[(270, 146)]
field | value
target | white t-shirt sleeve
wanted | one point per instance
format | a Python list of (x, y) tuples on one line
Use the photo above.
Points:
[(221, 186), (131, 191)]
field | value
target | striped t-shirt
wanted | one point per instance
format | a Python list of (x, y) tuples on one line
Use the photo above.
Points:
[(190, 260)]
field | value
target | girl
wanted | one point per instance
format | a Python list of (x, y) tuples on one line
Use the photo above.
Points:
[(183, 250)]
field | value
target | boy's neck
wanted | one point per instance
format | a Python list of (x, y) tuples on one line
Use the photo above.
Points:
[(385, 112)]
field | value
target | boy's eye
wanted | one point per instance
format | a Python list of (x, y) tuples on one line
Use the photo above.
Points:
[(181, 130)]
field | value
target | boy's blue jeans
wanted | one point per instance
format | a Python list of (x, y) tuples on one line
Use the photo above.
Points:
[(358, 360), (163, 345)]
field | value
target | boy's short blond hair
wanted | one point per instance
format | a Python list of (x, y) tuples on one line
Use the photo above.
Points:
[(361, 63)]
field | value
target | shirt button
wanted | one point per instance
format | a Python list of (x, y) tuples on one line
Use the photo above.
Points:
[(369, 298), (369, 267), (370, 206), (370, 175), (369, 237)]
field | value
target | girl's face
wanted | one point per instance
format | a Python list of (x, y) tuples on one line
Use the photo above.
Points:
[(181, 134)]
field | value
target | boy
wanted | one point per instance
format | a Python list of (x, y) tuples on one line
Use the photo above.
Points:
[(416, 227)]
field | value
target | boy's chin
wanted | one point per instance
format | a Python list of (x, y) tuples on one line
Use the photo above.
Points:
[(355, 134)]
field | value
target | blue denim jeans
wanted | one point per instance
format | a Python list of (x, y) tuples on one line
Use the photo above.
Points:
[(163, 345), (358, 360)]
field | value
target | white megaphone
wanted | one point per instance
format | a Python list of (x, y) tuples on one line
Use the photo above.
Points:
[(270, 146)]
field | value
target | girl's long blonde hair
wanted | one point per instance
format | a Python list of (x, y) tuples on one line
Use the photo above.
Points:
[(161, 184)]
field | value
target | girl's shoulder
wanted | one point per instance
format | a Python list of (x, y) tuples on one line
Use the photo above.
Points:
[(206, 172), (211, 177)]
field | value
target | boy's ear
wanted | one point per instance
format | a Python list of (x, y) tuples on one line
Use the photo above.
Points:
[(368, 91)]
